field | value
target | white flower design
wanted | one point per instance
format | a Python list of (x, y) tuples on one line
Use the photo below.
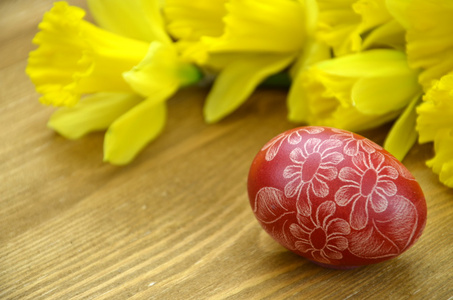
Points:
[(314, 165), (293, 137), (401, 168), (368, 184), (323, 238), (354, 144)]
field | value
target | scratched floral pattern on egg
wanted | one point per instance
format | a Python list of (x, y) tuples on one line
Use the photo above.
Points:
[(323, 237), (402, 171), (369, 184), (273, 209), (335, 197), (293, 138), (313, 166), (353, 144)]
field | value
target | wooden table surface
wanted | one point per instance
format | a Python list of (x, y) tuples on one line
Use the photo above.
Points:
[(176, 223)]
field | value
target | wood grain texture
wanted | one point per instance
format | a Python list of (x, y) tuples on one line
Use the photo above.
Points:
[(176, 223)]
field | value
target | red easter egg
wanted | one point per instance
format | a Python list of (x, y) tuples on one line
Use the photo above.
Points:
[(335, 197)]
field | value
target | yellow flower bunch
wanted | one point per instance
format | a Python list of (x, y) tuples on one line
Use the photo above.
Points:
[(353, 64), (115, 78)]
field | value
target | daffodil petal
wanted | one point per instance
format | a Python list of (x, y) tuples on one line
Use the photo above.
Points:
[(190, 20), (373, 12), (442, 162), (161, 72), (312, 15), (137, 19), (93, 113), (298, 108), (350, 119), (343, 24), (129, 134), (368, 98), (390, 34), (238, 80), (372, 63), (337, 20), (398, 8), (314, 52), (156, 73), (403, 135)]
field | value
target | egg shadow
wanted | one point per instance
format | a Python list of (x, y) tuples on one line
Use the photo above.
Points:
[(396, 278)]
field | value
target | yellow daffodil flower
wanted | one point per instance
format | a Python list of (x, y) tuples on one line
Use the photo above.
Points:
[(435, 124), (350, 26), (429, 27), (354, 64), (355, 92), (75, 57), (252, 44), (123, 80), (430, 49)]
